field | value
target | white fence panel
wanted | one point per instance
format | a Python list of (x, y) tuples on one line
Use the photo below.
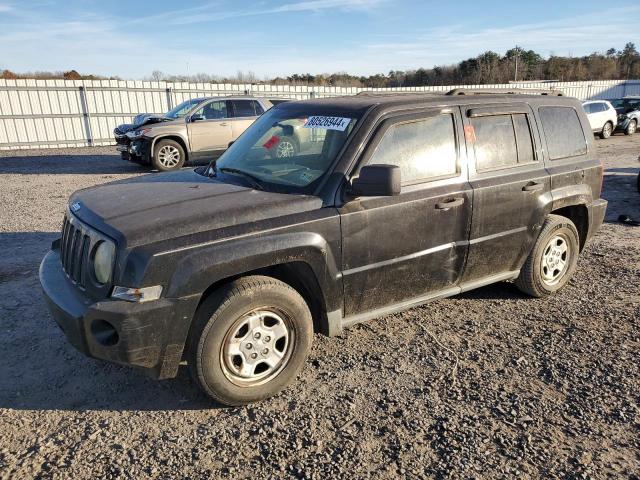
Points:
[(62, 113)]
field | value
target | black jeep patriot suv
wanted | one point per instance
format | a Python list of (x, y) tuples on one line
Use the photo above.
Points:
[(389, 202)]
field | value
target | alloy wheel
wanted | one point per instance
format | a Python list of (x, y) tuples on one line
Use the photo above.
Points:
[(285, 149), (169, 156)]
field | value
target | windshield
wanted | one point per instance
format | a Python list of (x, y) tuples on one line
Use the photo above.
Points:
[(182, 109), (287, 150)]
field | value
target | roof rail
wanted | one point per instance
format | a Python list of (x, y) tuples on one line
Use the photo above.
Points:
[(505, 91), (374, 93)]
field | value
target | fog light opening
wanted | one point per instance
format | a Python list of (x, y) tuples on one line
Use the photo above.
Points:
[(104, 333)]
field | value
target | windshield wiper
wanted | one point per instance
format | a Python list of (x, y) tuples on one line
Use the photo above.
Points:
[(253, 180)]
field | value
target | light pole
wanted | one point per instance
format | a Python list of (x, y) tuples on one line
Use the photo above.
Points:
[(515, 77)]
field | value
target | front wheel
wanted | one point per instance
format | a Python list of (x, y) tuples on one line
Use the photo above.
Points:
[(168, 155), (553, 260), (287, 147), (631, 128), (607, 130), (249, 340)]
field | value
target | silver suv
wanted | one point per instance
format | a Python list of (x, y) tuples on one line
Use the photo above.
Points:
[(196, 129)]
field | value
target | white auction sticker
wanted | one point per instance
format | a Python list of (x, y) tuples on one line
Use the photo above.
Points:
[(328, 123)]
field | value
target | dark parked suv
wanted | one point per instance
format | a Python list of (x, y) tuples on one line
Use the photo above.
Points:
[(387, 203)]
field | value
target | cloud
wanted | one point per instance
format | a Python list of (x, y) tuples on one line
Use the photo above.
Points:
[(201, 13), (5, 7), (579, 35), (97, 43)]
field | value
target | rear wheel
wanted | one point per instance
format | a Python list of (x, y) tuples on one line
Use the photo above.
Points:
[(553, 259), (168, 155), (607, 130), (631, 128), (250, 339)]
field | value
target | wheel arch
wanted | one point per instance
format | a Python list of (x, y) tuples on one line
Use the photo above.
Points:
[(175, 138), (579, 215), (298, 275), (302, 260)]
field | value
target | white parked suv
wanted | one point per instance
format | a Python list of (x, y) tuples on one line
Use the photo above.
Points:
[(602, 117)]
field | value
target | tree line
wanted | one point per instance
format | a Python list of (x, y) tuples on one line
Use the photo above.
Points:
[(517, 64)]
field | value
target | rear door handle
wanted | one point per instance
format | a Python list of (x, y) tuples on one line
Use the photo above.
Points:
[(451, 203), (533, 187)]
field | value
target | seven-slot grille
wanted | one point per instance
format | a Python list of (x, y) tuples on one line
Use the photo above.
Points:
[(74, 250)]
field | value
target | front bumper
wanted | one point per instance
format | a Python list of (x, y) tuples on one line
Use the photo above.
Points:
[(622, 125), (150, 336), (138, 150)]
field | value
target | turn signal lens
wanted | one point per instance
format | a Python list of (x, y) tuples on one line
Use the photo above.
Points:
[(139, 295)]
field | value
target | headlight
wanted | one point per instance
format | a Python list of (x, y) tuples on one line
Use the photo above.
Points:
[(103, 261), (138, 133)]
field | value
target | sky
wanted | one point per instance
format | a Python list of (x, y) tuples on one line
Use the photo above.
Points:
[(132, 38)]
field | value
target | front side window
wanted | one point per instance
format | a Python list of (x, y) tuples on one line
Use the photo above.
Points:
[(423, 149), (288, 150), (213, 111), (588, 108), (563, 131)]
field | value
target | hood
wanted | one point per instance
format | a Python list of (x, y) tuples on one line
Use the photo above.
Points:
[(139, 121), (158, 207)]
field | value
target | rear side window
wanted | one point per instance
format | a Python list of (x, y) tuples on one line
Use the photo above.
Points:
[(502, 141), (257, 107), (588, 108), (563, 131), (246, 108), (524, 141), (423, 149)]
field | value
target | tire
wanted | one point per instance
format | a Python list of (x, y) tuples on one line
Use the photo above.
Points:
[(638, 181), (287, 147), (631, 128), (538, 276), (607, 130), (255, 314), (168, 155)]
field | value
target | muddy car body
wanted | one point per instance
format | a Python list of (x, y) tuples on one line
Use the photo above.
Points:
[(405, 199)]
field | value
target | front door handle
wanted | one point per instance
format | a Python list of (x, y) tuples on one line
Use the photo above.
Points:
[(223, 124), (533, 187), (451, 203)]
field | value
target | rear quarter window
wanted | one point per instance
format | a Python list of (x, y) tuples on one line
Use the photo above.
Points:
[(563, 131)]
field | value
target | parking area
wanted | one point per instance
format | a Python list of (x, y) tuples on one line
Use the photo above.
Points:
[(486, 384)]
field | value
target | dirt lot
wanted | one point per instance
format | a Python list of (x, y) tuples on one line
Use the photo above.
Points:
[(543, 387)]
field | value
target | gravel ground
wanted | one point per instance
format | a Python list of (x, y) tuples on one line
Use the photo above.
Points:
[(545, 387)]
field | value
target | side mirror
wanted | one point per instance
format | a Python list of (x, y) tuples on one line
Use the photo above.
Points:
[(377, 181), (196, 117)]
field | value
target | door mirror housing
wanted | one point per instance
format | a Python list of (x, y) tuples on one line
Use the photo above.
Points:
[(377, 181), (196, 117)]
